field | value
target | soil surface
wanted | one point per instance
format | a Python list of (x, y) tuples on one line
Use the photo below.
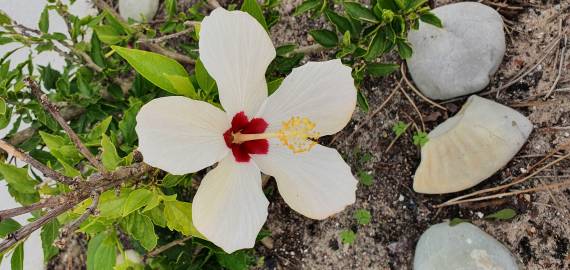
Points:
[(539, 236)]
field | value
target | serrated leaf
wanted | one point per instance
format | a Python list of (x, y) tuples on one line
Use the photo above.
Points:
[(18, 178), (430, 18), (49, 233), (99, 129), (179, 217), (160, 70), (307, 6), (359, 12), (381, 69), (101, 252), (17, 261), (43, 24), (504, 214), (109, 35), (253, 8), (137, 199), (142, 229), (365, 178), (420, 138), (8, 226), (109, 156), (325, 38), (404, 49), (362, 102), (110, 205)]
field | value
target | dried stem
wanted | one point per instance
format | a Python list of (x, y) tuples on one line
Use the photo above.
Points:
[(413, 105), (403, 71), (165, 247), (97, 181), (14, 212), (460, 199), (315, 48), (48, 106), (71, 227), (190, 28), (560, 68), (45, 170)]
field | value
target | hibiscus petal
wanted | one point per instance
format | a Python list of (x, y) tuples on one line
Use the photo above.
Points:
[(236, 51), (324, 92), (317, 183), (181, 135), (230, 207)]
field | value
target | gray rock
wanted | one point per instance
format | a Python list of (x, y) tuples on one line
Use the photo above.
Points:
[(461, 247), (459, 58)]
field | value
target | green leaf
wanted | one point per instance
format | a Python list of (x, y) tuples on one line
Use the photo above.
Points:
[(18, 178), (17, 261), (307, 6), (99, 129), (431, 19), (157, 216), (362, 216), (341, 23), (347, 237), (420, 138), (4, 19), (378, 45), (326, 38), (8, 226), (381, 69), (253, 8), (205, 81), (136, 200), (399, 128), (456, 221), (504, 214), (160, 70), (414, 4), (238, 260), (128, 123), (404, 49), (362, 102), (49, 234), (170, 7), (142, 229), (179, 217), (359, 12), (111, 206), (2, 106), (109, 35), (387, 4), (171, 180), (365, 178), (44, 21), (272, 86), (101, 252), (109, 157), (61, 148)]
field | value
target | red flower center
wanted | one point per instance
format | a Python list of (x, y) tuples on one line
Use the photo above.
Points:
[(240, 124)]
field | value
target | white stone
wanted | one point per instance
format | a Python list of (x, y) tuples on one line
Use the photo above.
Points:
[(138, 10), (470, 146), (463, 246), (459, 58), (132, 256)]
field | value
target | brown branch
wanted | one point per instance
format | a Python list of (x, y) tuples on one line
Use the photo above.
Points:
[(70, 228), (97, 181), (48, 106), (45, 170), (25, 231), (14, 212)]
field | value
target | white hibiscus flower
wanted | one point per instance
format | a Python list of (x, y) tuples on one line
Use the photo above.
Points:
[(274, 135)]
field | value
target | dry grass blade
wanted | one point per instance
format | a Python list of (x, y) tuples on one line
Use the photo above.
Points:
[(403, 71)]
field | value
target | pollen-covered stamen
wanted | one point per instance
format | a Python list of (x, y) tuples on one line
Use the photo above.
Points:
[(297, 133)]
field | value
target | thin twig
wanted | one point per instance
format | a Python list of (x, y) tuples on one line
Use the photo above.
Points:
[(403, 71), (413, 105), (505, 194), (165, 247), (560, 68), (48, 106), (369, 117), (315, 48), (45, 170), (166, 37), (14, 212), (66, 231), (520, 180)]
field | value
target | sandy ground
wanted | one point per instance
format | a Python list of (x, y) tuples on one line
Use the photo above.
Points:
[(538, 236)]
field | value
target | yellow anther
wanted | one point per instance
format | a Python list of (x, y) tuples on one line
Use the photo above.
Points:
[(298, 134)]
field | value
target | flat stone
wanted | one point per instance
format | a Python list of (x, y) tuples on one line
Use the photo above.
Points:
[(138, 10), (461, 57), (463, 246), (470, 147)]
